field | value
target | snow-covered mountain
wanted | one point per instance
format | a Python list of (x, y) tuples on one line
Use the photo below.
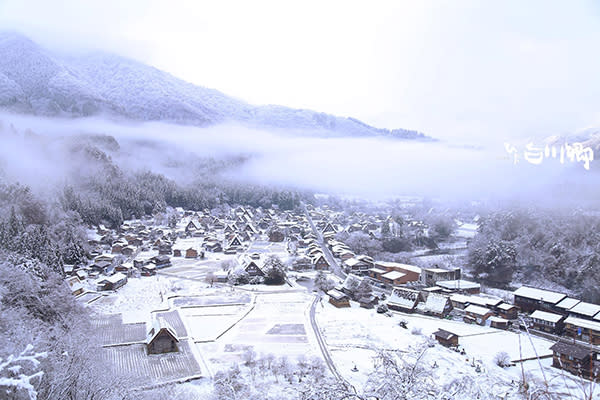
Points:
[(37, 81)]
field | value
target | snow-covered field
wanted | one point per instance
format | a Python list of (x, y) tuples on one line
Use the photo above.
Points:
[(355, 335)]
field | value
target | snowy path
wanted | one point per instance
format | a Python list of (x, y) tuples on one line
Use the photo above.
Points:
[(321, 341)]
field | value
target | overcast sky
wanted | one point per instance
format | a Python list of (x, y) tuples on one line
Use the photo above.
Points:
[(457, 68)]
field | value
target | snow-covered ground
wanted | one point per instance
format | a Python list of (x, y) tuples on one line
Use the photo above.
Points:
[(355, 335)]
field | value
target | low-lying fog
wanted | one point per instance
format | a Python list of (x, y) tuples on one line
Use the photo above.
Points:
[(367, 167)]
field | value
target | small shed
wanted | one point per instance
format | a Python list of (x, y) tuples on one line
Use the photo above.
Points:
[(338, 298), (446, 338), (191, 253), (161, 337)]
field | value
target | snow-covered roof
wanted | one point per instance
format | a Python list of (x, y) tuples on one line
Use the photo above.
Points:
[(539, 294), (458, 284), (155, 326), (477, 310), (583, 323), (406, 267), (506, 306), (587, 309), (546, 316), (113, 278), (568, 303), (377, 270), (352, 262), (336, 294), (406, 298), (478, 300), (493, 318), (393, 275), (435, 303)]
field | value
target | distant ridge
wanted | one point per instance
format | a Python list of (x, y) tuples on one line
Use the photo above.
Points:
[(34, 80)]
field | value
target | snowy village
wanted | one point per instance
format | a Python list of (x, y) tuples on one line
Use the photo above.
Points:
[(316, 200), (186, 300)]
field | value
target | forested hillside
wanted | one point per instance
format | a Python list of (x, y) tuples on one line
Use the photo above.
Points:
[(547, 248)]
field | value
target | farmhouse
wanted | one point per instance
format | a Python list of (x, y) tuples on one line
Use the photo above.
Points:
[(430, 276), (148, 270), (320, 262), (404, 300), (356, 265), (566, 304), (193, 226), (578, 359), (411, 272), (112, 282), (583, 329), (160, 337), (478, 314), (585, 310), (507, 311), (191, 253), (460, 286), (393, 278), (436, 305), (338, 298), (530, 299), (547, 322), (497, 322), (446, 338)]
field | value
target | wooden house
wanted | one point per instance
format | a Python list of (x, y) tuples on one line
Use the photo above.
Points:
[(508, 311), (446, 338), (161, 261), (193, 226), (161, 337), (213, 247), (235, 242), (583, 329), (191, 253), (578, 359), (368, 302), (411, 273), (253, 268), (529, 299), (584, 310), (176, 252), (393, 278), (460, 286), (478, 314), (435, 304), (338, 298), (320, 262), (547, 322), (148, 270), (497, 322), (430, 276), (75, 285), (404, 300), (566, 304), (165, 249), (112, 282)]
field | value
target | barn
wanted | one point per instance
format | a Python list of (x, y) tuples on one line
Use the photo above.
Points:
[(160, 337)]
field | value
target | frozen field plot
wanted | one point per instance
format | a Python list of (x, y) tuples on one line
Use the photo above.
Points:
[(112, 330), (278, 324), (146, 369), (211, 300)]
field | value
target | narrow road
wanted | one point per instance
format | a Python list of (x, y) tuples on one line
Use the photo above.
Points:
[(335, 267), (321, 341)]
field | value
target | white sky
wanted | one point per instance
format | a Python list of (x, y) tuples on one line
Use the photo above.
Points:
[(447, 68)]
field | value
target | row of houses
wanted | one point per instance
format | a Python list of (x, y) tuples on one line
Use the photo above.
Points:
[(557, 313)]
